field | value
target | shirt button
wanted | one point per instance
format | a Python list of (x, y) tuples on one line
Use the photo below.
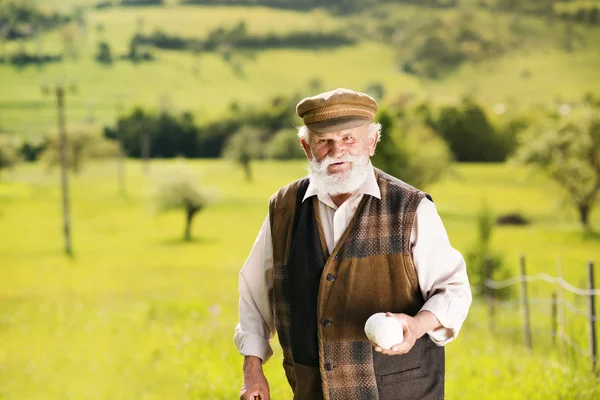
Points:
[(331, 277), (326, 322), (328, 366)]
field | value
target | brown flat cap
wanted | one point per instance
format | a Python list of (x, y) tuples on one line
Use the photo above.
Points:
[(337, 110)]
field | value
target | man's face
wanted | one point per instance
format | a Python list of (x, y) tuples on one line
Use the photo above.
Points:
[(352, 142)]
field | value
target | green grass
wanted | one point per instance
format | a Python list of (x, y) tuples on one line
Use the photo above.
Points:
[(137, 313)]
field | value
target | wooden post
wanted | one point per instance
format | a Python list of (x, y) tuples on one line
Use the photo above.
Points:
[(487, 263), (60, 103), (121, 154), (593, 343), (554, 319), (145, 148), (525, 304), (562, 325)]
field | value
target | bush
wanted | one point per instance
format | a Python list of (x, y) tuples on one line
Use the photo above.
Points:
[(512, 219), (482, 262), (30, 150), (103, 54)]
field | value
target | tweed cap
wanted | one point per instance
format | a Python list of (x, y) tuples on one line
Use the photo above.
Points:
[(337, 110)]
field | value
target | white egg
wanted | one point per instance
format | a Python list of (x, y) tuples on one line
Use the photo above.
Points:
[(384, 331)]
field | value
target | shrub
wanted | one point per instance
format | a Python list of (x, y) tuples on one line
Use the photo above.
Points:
[(9, 155)]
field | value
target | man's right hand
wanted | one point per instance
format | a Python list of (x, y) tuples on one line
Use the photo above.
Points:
[(255, 385)]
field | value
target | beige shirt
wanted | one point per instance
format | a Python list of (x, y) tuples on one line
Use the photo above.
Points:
[(440, 268)]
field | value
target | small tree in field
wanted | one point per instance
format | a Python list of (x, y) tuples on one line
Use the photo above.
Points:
[(567, 149), (243, 147), (483, 262), (9, 154), (285, 145), (82, 146), (180, 189)]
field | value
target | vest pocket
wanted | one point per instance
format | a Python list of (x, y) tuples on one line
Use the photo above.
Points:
[(401, 376), (391, 369)]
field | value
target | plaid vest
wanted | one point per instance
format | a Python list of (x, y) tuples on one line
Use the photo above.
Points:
[(321, 301)]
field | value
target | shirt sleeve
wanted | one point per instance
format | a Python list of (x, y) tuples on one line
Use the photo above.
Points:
[(442, 273), (255, 329)]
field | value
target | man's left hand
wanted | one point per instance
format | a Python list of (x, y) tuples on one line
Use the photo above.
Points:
[(414, 328)]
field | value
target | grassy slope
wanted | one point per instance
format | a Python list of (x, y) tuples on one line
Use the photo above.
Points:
[(139, 314), (207, 86)]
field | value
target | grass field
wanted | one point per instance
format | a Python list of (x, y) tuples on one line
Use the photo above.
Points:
[(207, 85), (139, 314)]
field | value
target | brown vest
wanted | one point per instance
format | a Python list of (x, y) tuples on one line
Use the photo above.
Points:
[(321, 301)]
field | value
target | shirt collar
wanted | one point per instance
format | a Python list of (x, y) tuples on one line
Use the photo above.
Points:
[(369, 187)]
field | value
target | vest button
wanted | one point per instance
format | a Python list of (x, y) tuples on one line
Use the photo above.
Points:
[(326, 322), (328, 366), (331, 277)]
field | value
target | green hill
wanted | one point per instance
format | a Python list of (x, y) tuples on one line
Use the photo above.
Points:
[(415, 51)]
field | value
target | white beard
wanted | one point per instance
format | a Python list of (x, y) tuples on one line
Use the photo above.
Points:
[(342, 182)]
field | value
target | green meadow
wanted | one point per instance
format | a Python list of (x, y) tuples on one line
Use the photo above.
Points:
[(137, 313)]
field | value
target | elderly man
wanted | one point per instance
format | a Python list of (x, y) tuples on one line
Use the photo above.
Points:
[(342, 244)]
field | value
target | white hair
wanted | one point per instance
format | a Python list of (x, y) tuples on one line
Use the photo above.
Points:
[(372, 129)]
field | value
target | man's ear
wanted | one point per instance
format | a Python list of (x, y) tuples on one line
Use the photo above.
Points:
[(306, 148), (373, 143)]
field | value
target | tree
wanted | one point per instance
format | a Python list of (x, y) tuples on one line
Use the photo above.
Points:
[(469, 133), (180, 189), (412, 152), (9, 154), (103, 53), (83, 145), (243, 147), (376, 90), (285, 145), (567, 149)]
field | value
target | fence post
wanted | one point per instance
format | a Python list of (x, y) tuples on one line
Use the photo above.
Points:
[(562, 325), (489, 293), (525, 304), (593, 344), (554, 322)]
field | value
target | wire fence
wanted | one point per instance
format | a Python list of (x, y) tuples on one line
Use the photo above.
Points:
[(559, 307)]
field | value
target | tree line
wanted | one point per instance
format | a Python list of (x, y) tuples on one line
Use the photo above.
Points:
[(472, 133), (419, 141), (19, 19), (238, 37)]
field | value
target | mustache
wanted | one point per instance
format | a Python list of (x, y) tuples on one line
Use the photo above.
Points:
[(321, 166)]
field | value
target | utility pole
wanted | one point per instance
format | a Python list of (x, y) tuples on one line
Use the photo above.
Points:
[(59, 91), (121, 154), (145, 147)]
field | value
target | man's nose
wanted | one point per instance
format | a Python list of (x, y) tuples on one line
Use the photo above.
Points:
[(337, 149)]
